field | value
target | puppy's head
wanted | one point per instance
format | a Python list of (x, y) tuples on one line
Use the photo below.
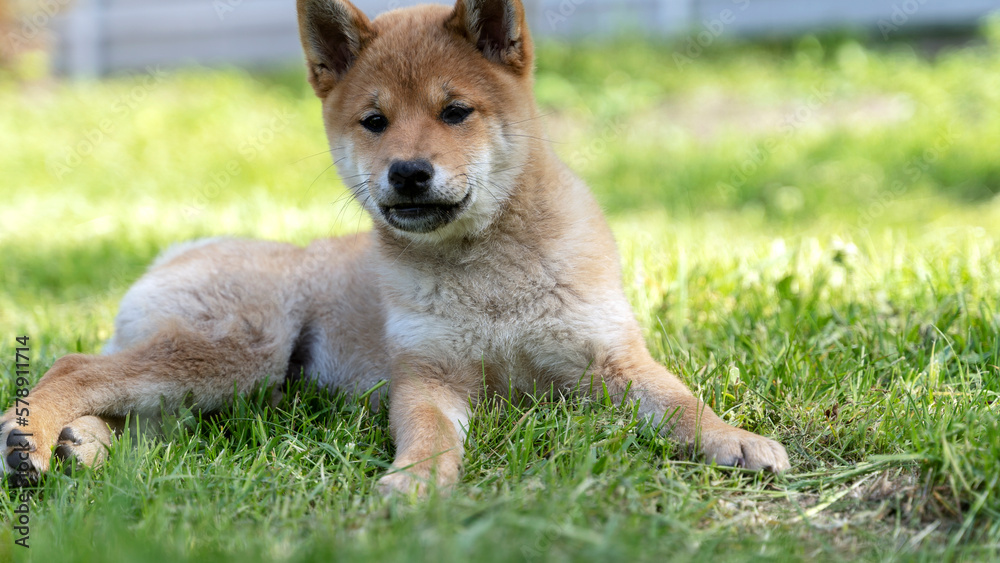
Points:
[(428, 110)]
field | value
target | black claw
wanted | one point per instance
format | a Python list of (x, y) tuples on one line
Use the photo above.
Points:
[(64, 452), (22, 471), (66, 459), (68, 435)]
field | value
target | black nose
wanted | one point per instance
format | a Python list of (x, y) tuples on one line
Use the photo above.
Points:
[(410, 178)]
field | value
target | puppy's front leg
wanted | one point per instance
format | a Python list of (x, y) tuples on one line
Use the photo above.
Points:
[(428, 418), (662, 395)]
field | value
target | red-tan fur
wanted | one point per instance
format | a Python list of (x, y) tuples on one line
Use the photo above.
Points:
[(520, 288)]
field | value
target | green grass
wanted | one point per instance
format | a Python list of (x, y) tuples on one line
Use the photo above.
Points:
[(843, 296)]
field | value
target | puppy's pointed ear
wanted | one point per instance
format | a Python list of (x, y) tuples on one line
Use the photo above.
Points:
[(333, 32), (497, 28)]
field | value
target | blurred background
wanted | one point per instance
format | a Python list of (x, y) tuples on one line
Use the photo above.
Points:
[(777, 106), (97, 37)]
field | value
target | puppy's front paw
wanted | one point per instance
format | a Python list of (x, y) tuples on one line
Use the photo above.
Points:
[(420, 478), (26, 444), (403, 483), (25, 449), (85, 440), (739, 448)]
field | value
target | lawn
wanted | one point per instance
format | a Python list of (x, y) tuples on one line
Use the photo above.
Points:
[(810, 236)]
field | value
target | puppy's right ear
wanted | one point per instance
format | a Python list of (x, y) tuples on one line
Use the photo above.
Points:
[(333, 32)]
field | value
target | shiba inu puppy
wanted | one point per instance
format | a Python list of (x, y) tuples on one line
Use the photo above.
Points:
[(490, 266)]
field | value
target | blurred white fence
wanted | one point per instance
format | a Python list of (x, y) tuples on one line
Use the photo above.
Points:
[(99, 36)]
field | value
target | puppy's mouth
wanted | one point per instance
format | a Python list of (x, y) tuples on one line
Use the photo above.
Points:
[(423, 217)]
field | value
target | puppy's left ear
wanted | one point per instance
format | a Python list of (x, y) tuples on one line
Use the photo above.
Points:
[(497, 28)]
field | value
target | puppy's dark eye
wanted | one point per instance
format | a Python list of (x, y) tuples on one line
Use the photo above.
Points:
[(375, 123), (455, 114)]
